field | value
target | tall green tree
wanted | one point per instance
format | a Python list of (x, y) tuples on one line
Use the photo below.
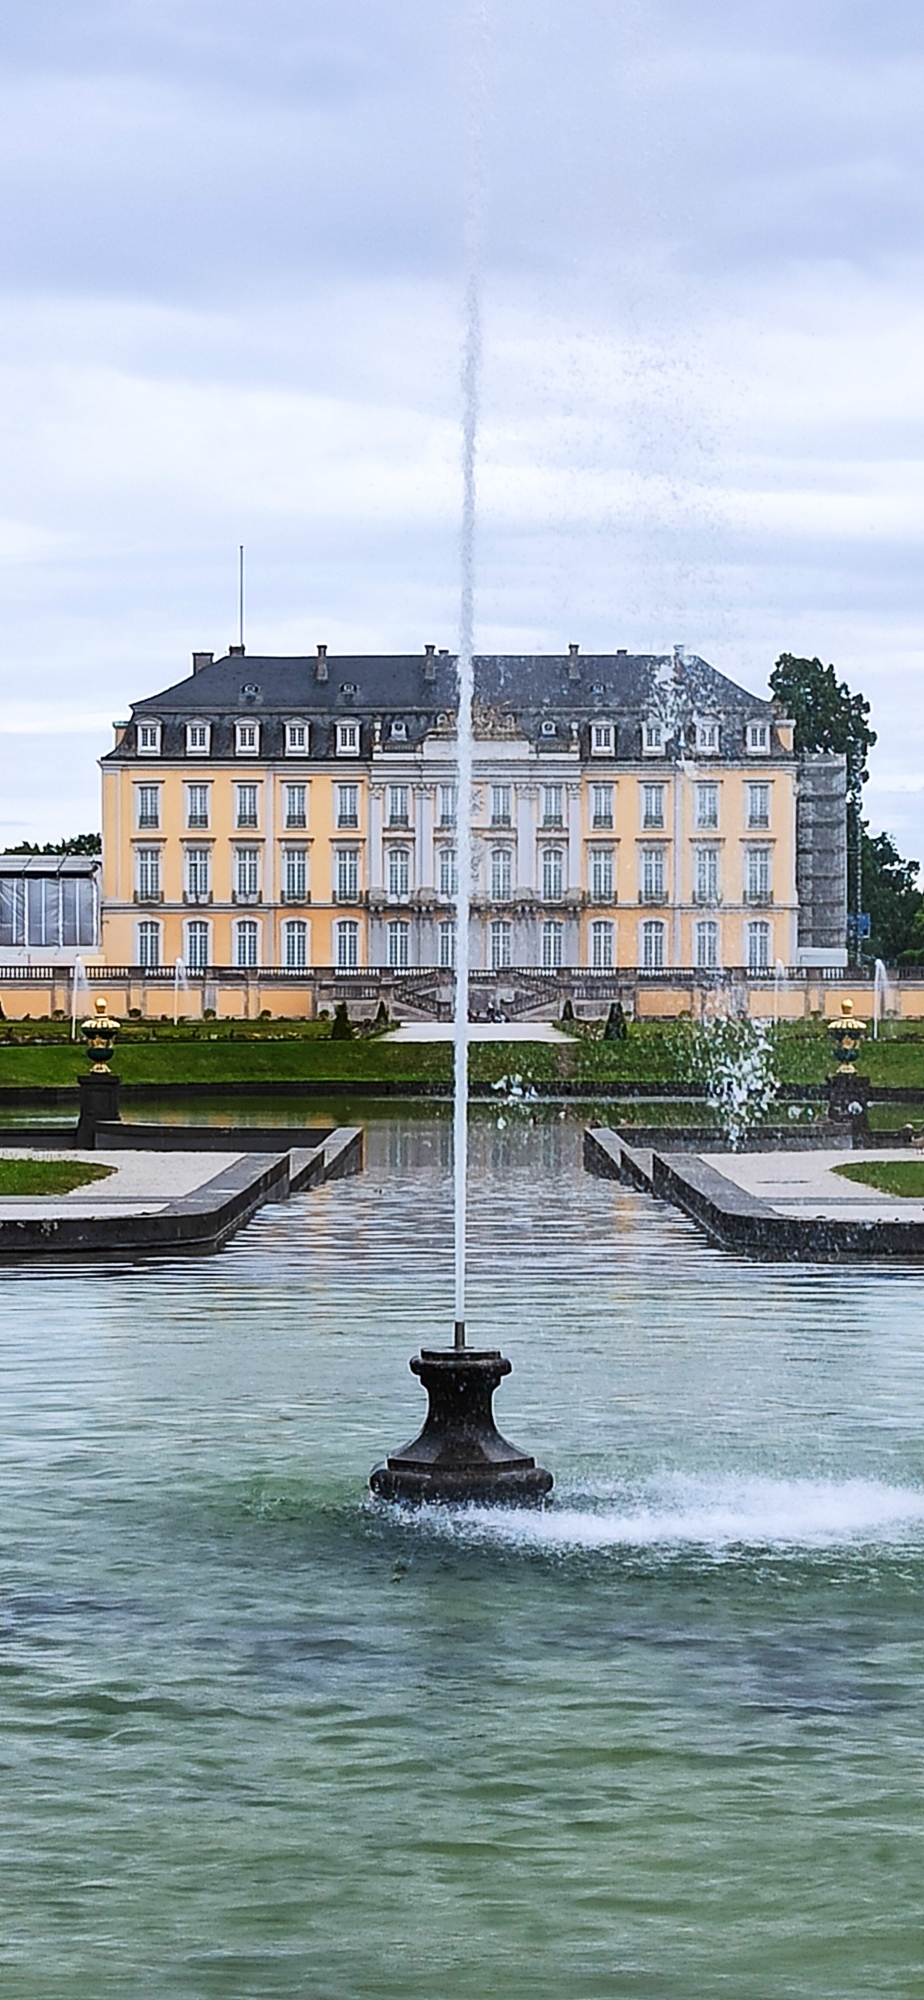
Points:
[(826, 714), (893, 900)]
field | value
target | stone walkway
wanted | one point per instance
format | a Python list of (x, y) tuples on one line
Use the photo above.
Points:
[(804, 1184), (487, 1031), (141, 1184), (161, 1199)]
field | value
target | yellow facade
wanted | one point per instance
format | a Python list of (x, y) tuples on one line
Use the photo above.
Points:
[(259, 865), (270, 863), (689, 851)]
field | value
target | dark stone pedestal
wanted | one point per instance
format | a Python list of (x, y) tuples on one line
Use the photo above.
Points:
[(99, 1104), (848, 1099), (460, 1454)]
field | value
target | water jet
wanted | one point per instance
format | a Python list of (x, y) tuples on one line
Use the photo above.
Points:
[(460, 1454)]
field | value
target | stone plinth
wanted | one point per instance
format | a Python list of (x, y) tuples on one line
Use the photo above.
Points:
[(99, 1103), (848, 1096), (460, 1454)]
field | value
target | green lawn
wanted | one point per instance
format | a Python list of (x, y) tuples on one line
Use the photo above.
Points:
[(277, 1054), (48, 1176), (902, 1177)]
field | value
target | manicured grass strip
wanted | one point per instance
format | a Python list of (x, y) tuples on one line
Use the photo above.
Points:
[(227, 1054), (902, 1177), (48, 1176)]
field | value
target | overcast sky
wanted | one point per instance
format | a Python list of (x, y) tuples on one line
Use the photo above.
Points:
[(230, 264)]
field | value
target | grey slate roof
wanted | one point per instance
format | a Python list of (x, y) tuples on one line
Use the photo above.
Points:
[(534, 688)]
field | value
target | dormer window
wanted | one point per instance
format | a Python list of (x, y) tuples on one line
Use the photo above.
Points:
[(250, 690), (198, 739), (348, 687), (757, 737), (247, 739), (297, 739), (601, 739), (149, 739), (707, 738), (348, 739), (652, 739), (549, 729), (399, 732)]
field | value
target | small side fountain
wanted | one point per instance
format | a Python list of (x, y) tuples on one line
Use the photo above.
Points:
[(80, 991), (779, 981), (880, 996), (460, 1454), (180, 985)]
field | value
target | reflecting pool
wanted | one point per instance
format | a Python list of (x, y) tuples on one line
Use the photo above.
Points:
[(261, 1739)]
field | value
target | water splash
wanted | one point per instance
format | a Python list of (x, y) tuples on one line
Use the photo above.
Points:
[(881, 996), (180, 985), (80, 986), (477, 27), (779, 981), (679, 1512)]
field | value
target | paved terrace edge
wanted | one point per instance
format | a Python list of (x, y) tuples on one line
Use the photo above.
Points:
[(737, 1220), (202, 1220)]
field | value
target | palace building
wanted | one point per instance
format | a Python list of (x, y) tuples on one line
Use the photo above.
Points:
[(626, 811)]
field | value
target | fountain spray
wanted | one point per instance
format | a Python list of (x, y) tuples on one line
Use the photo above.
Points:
[(460, 1453), (471, 377)]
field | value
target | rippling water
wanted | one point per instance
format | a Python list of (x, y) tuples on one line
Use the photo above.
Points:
[(262, 1738)]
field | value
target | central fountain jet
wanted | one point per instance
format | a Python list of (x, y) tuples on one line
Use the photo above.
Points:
[(460, 1454)]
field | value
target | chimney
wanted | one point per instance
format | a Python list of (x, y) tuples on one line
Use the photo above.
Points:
[(678, 656), (120, 728), (201, 660), (574, 671), (235, 652), (429, 663), (320, 665)]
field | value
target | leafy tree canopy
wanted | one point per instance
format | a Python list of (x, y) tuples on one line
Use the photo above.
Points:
[(79, 843), (895, 904), (826, 715)]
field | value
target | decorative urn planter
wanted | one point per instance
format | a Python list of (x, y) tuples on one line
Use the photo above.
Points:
[(848, 1093), (99, 1033), (845, 1037)]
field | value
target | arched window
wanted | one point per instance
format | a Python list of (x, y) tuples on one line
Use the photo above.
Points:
[(552, 940), (399, 863), (758, 947), (246, 942), (553, 869), (399, 935), (500, 945), (501, 858), (707, 946), (601, 945), (197, 945), (296, 943), (149, 944), (347, 945), (653, 945)]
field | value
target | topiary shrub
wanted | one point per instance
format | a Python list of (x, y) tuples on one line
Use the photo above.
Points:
[(342, 1030)]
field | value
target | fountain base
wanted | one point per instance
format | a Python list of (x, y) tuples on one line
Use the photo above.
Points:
[(460, 1454)]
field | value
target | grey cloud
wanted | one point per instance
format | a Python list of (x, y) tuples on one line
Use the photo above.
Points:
[(230, 249)]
